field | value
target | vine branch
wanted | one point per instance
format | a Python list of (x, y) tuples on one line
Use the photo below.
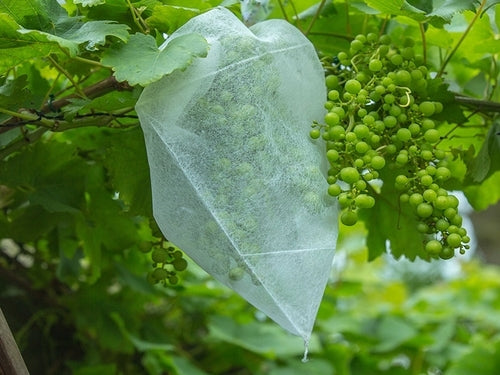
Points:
[(11, 361)]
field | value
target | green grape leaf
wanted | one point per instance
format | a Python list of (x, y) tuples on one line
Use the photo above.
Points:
[(396, 7), (168, 18), (487, 160), (445, 10), (390, 221), (53, 25), (70, 34), (17, 48), (141, 62), (486, 194)]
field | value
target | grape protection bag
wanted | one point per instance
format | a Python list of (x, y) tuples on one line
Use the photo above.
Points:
[(237, 184)]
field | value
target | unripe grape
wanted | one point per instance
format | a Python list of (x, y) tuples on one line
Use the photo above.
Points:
[(447, 253), (314, 133), (360, 185), (333, 95), (431, 135), (236, 273), (443, 173), (349, 175), (352, 86), (424, 210), (331, 118), (332, 155), (403, 134), (160, 274), (454, 240), (429, 195), (180, 264), (390, 121), (334, 190), (396, 59), (364, 201), (403, 78), (349, 218), (378, 162), (441, 203), (361, 131), (362, 147), (404, 198), (426, 180), (442, 224), (337, 133), (160, 255), (416, 199), (450, 212), (427, 108), (332, 81), (375, 65), (433, 247)]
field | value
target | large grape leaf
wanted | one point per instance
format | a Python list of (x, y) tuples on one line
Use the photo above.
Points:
[(48, 22), (141, 62), (16, 48), (71, 34)]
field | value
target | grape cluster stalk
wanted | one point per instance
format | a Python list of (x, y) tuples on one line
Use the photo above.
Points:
[(379, 119)]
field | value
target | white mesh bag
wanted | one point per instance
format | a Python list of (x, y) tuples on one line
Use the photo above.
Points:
[(237, 183)]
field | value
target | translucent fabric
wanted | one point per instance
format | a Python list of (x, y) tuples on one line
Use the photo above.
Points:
[(237, 183)]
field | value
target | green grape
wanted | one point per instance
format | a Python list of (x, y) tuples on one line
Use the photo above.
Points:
[(332, 155), (332, 81), (375, 65), (349, 218), (315, 133), (433, 247), (364, 201), (403, 134), (431, 135), (180, 264), (236, 273), (378, 162), (352, 86), (160, 274), (331, 118), (173, 279), (447, 253), (427, 108), (442, 224), (378, 114), (349, 175), (160, 255), (424, 210), (334, 190), (454, 240)]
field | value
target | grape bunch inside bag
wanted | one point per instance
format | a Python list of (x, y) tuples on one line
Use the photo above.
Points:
[(237, 183)]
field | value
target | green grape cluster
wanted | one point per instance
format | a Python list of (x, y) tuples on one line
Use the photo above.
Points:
[(380, 119), (167, 261)]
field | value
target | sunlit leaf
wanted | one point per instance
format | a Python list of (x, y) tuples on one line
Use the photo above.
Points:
[(141, 62)]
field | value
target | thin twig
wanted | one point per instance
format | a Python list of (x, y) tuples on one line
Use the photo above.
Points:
[(315, 17), (462, 38)]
